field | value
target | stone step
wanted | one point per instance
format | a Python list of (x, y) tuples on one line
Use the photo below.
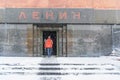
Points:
[(58, 69)]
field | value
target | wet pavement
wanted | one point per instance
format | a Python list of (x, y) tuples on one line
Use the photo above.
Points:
[(62, 68)]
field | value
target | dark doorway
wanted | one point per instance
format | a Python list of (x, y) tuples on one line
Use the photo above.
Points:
[(53, 35)]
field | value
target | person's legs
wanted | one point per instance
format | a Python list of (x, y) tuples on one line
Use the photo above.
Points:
[(48, 52)]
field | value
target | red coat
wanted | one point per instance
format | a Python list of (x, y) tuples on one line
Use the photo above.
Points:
[(48, 43)]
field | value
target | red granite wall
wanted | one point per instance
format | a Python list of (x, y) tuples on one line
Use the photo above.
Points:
[(97, 4)]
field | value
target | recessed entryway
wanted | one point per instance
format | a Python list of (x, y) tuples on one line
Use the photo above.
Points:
[(58, 35), (53, 35)]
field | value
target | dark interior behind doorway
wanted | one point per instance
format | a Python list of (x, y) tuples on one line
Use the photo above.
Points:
[(53, 35)]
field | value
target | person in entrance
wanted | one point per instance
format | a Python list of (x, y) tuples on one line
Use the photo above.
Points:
[(48, 46)]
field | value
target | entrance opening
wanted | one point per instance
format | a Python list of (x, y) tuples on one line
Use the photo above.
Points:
[(58, 34), (53, 35)]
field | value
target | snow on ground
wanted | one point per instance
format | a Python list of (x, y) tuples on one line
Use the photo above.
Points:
[(60, 68)]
